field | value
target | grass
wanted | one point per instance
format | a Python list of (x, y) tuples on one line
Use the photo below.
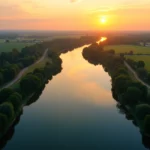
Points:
[(127, 48), (146, 59), (6, 47)]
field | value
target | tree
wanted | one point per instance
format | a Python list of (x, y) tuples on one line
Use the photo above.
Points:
[(147, 125), (5, 93), (140, 64), (1, 78), (7, 109), (132, 96), (15, 99), (142, 73), (120, 83), (3, 122), (29, 84), (142, 110)]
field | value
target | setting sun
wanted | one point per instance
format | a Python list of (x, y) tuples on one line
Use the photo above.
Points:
[(103, 20)]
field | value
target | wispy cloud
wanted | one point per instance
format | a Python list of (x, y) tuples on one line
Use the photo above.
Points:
[(74, 1)]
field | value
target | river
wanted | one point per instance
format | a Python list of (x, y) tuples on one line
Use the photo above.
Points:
[(75, 111)]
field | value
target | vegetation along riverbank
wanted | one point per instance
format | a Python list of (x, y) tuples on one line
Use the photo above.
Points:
[(13, 99), (129, 93)]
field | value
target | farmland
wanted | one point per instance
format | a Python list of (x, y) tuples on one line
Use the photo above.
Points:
[(126, 48), (146, 59), (6, 47)]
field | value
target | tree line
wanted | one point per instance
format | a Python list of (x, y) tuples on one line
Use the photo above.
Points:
[(128, 92), (12, 62), (12, 100)]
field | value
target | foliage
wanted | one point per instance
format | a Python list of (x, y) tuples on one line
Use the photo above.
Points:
[(29, 84), (7, 109), (15, 99), (5, 93), (147, 125), (142, 110)]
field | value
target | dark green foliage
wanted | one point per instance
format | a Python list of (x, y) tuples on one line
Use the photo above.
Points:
[(1, 78), (5, 93), (30, 84), (142, 73), (16, 100), (7, 109), (142, 110), (132, 96), (3, 122), (147, 125), (120, 83), (140, 64)]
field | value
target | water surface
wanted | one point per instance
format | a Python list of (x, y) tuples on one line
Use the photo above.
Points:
[(76, 111)]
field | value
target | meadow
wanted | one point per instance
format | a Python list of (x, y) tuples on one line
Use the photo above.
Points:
[(145, 58), (126, 48), (6, 47)]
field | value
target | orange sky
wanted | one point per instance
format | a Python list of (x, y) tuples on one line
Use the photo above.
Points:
[(75, 14)]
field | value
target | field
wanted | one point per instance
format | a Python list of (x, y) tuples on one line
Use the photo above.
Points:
[(146, 59), (127, 48), (6, 47)]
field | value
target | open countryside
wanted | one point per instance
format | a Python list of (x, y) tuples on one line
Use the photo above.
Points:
[(75, 75)]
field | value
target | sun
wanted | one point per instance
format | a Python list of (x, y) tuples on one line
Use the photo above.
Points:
[(103, 20)]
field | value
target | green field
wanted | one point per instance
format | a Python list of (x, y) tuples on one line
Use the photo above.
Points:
[(127, 48), (146, 59), (6, 47)]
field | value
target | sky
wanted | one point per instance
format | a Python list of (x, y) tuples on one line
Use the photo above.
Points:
[(74, 14)]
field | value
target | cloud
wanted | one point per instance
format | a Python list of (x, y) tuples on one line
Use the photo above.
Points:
[(74, 1)]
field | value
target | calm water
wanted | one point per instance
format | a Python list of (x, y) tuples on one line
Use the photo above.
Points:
[(76, 111)]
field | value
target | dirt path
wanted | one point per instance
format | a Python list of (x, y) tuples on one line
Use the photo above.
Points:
[(135, 75), (24, 70)]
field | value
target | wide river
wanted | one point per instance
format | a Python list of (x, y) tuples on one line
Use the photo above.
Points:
[(76, 111)]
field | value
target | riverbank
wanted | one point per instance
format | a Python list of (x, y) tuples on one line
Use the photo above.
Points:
[(15, 99), (133, 95)]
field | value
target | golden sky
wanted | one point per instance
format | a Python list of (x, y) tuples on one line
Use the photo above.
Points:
[(75, 14)]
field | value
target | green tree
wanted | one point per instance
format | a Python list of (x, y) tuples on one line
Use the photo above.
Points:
[(7, 109), (132, 96), (140, 64), (142, 110), (5, 93), (29, 84), (147, 125), (15, 99), (3, 122)]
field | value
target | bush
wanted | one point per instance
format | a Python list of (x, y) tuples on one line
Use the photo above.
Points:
[(142, 110), (7, 109)]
